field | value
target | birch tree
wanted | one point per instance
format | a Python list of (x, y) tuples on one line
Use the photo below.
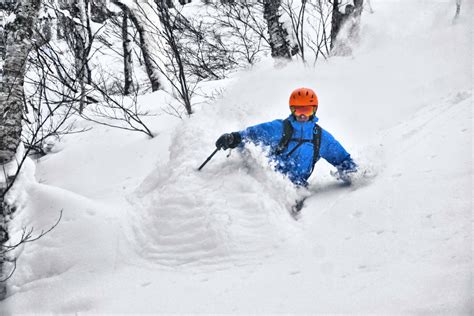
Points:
[(150, 65), (78, 35), (278, 35), (19, 33), (127, 54)]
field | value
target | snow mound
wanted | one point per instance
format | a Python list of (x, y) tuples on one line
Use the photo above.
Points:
[(69, 246)]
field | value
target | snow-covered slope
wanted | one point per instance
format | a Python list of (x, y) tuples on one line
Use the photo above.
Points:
[(143, 231)]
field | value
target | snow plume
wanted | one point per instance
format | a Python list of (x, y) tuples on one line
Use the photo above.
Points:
[(234, 210), (401, 244)]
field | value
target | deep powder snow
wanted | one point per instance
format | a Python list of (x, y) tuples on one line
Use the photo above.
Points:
[(143, 231)]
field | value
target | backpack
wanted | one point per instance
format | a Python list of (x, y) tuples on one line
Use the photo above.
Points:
[(287, 137)]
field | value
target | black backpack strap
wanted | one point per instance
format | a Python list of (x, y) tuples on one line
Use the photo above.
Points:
[(317, 132), (300, 142), (285, 139)]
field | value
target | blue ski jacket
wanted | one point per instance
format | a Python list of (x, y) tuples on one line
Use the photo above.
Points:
[(299, 165)]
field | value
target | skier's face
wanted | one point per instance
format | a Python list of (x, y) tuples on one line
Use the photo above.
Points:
[(302, 118), (302, 113)]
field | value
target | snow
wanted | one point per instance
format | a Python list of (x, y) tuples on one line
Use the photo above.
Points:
[(142, 231)]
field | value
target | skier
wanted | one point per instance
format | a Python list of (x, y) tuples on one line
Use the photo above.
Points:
[(297, 142)]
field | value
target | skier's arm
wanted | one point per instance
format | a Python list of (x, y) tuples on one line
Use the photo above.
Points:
[(332, 151), (266, 134)]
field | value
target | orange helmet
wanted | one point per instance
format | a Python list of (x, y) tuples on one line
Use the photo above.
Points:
[(303, 103), (303, 97)]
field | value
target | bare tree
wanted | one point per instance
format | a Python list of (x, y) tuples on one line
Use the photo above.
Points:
[(279, 43), (150, 64), (168, 23), (108, 103), (26, 237), (121, 112), (127, 54), (55, 85), (119, 30), (18, 45), (242, 28), (297, 23), (169, 42), (317, 32), (310, 27), (205, 55), (78, 34), (49, 105)]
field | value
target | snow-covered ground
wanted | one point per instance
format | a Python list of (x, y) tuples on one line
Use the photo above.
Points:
[(142, 231)]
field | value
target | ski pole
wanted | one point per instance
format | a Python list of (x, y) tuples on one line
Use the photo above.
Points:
[(208, 158)]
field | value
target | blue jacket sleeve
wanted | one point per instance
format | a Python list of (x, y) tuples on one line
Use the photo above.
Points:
[(267, 134), (335, 154)]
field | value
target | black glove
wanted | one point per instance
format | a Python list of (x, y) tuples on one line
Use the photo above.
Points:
[(226, 141)]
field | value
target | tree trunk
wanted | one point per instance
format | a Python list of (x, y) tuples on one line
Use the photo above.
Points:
[(279, 43), (336, 22), (350, 22), (458, 10), (18, 46), (78, 37), (144, 46), (80, 50), (127, 55), (99, 11), (3, 239), (168, 29)]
